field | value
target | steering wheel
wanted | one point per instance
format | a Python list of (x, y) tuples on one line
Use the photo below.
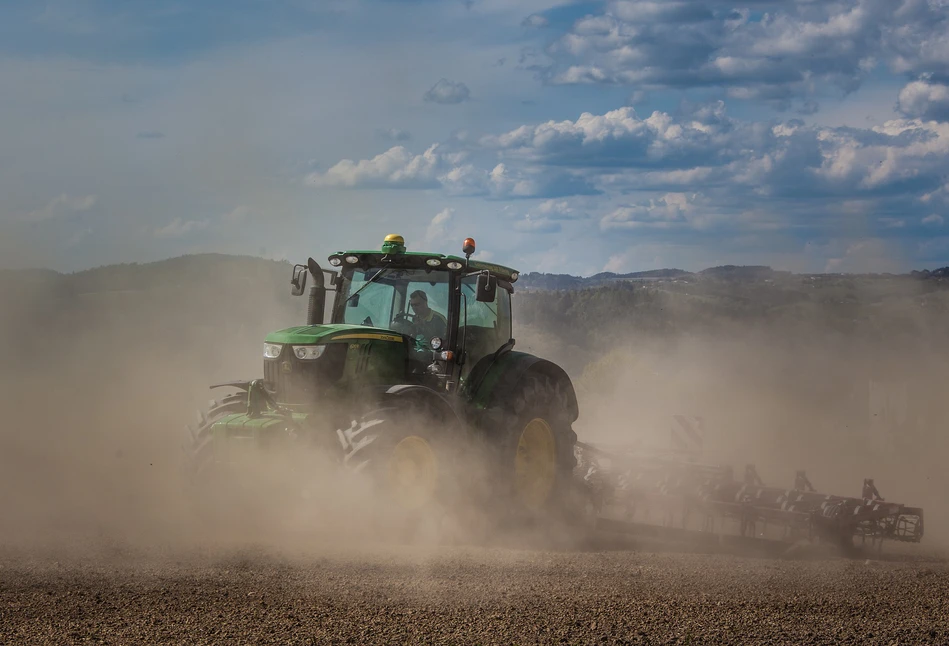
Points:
[(403, 323)]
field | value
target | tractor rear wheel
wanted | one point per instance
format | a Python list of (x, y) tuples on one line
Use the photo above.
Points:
[(536, 449)]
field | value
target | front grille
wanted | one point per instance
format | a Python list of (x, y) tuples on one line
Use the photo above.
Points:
[(303, 382)]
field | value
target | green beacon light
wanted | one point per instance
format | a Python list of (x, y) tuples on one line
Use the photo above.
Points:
[(393, 243)]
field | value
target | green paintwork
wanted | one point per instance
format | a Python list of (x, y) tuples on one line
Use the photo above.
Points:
[(242, 424), (499, 271), (313, 334), (237, 434), (505, 362), (371, 362), (392, 247)]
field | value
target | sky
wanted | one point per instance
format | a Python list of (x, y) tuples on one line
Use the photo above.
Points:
[(564, 136)]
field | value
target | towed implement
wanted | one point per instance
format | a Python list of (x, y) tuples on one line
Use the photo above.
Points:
[(680, 499)]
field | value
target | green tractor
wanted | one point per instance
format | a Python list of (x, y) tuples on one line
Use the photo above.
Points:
[(412, 375)]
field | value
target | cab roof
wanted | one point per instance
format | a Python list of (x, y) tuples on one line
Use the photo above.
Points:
[(393, 252)]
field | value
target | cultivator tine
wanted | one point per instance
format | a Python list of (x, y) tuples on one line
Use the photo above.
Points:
[(801, 483), (870, 491)]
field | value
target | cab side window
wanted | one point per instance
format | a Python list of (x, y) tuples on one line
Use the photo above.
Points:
[(486, 326)]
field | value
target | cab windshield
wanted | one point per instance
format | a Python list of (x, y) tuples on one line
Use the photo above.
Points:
[(407, 301)]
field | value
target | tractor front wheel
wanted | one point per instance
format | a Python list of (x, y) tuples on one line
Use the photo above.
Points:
[(406, 459)]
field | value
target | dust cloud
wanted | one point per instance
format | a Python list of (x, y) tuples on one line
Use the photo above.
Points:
[(101, 375), (103, 370), (784, 395)]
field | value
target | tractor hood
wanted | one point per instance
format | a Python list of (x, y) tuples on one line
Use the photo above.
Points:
[(313, 334)]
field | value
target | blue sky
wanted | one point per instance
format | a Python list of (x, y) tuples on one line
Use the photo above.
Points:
[(565, 136)]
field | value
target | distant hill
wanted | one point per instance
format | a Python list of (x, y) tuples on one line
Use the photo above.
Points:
[(535, 281), (213, 303), (541, 281)]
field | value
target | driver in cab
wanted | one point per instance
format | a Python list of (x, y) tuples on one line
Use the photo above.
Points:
[(428, 322)]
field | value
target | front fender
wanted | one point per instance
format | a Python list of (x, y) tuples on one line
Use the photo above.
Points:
[(430, 399)]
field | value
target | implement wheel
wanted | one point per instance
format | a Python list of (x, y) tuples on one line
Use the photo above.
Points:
[(535, 464)]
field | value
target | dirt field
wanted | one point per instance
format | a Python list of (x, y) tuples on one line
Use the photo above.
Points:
[(98, 542), (468, 596)]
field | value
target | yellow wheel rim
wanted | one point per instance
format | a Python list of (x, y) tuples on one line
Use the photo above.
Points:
[(535, 466), (412, 472)]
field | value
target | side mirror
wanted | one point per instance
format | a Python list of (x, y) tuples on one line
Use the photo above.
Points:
[(487, 288), (298, 281)]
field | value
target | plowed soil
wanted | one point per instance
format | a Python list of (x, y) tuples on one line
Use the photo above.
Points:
[(467, 596)]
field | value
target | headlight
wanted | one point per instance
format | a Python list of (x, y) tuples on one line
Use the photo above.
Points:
[(272, 350), (436, 343), (307, 352), (336, 262), (433, 262), (454, 264), (352, 260)]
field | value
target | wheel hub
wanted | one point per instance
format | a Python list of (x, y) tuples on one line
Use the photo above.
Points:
[(535, 465), (412, 472)]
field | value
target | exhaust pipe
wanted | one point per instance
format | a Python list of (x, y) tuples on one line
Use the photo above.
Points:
[(317, 301)]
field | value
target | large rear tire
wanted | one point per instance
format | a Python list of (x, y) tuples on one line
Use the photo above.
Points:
[(536, 458)]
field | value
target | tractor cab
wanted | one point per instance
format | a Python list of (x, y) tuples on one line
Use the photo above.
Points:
[(448, 312)]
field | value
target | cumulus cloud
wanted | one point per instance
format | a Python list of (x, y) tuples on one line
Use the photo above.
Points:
[(398, 168), (533, 224), (63, 206), (568, 209), (791, 52), (697, 169), (438, 228), (665, 212), (924, 100), (179, 228), (502, 182), (535, 21), (621, 138), (395, 168), (933, 219), (906, 155), (705, 148), (447, 92)]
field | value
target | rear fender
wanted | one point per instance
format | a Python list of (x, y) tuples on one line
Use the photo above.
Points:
[(492, 380)]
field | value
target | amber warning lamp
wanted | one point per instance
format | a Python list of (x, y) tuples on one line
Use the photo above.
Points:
[(468, 247)]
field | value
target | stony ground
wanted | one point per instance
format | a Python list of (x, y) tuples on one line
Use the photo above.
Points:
[(467, 596)]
